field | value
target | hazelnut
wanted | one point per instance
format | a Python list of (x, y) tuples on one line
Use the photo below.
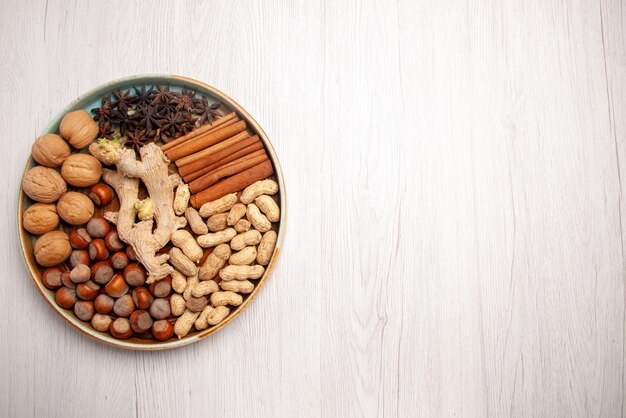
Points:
[(197, 304), (140, 322), (161, 288), (116, 287), (51, 278), (79, 257), (81, 170), (102, 272), (43, 184), (80, 239), (162, 330), (135, 274), (101, 194), (40, 218), (142, 298), (52, 248), (101, 322), (50, 150), (97, 250), (130, 252), (160, 308), (98, 227), (88, 290), (65, 297), (66, 279), (80, 273), (119, 260), (124, 306), (120, 328), (75, 208), (78, 128), (84, 310), (104, 303), (113, 242)]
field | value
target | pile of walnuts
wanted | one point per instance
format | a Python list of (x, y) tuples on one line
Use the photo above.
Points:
[(48, 186)]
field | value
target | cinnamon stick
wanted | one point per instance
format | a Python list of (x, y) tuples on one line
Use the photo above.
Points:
[(201, 164), (228, 169), (201, 130), (222, 126), (213, 149), (233, 184), (229, 158), (204, 141)]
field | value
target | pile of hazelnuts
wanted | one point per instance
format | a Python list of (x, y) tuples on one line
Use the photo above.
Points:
[(104, 285)]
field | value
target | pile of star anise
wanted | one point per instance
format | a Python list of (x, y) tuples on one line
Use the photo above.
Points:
[(153, 114)]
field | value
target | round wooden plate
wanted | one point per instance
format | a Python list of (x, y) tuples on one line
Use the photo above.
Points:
[(92, 99)]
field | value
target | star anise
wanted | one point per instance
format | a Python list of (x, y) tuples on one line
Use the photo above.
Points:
[(161, 94), (206, 112), (124, 100), (137, 139), (143, 96), (126, 120), (173, 123), (106, 131), (102, 114), (150, 119), (185, 100)]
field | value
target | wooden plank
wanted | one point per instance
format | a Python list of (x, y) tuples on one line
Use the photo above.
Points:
[(454, 239)]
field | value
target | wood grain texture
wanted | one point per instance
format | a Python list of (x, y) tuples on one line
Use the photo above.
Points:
[(454, 239)]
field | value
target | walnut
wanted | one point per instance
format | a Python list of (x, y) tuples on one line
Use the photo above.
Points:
[(50, 150), (43, 184), (40, 218), (52, 248), (81, 170), (78, 128), (75, 208)]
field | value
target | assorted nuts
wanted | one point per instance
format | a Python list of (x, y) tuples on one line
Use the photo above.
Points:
[(91, 271), (107, 287)]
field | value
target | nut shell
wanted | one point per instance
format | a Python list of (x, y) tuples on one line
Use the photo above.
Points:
[(65, 297), (80, 239), (120, 328), (101, 322), (43, 184), (81, 170), (52, 248), (101, 194), (75, 208), (51, 278), (40, 218), (78, 128), (50, 150)]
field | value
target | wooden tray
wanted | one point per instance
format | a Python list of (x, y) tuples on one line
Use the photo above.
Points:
[(92, 99)]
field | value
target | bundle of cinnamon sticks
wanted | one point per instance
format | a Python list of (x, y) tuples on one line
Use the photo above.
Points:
[(218, 159)]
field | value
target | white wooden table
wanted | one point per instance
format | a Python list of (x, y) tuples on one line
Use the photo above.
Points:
[(454, 243)]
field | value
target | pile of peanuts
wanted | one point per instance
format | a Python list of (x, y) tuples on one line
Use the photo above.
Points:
[(242, 243)]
